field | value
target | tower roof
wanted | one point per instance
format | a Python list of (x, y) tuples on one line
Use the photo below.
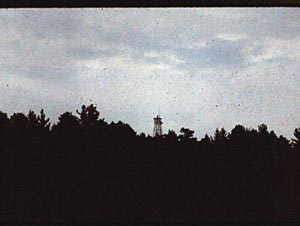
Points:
[(157, 117)]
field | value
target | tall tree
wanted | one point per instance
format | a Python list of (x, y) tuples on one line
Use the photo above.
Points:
[(32, 119), (220, 136), (88, 116), (296, 140), (3, 120), (263, 129), (4, 125), (186, 134), (19, 120), (171, 136), (43, 121), (67, 121)]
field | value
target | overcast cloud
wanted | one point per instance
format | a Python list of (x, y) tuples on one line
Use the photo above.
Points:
[(199, 68)]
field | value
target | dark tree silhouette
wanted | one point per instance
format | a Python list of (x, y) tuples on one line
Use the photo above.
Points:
[(32, 119), (220, 137), (67, 120), (88, 116), (43, 122), (4, 128), (67, 127), (238, 131), (263, 129), (296, 142), (3, 119), (19, 120), (172, 136), (186, 134), (206, 142), (85, 169)]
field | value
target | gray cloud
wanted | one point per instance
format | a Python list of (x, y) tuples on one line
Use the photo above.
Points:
[(134, 61), (91, 52), (217, 54)]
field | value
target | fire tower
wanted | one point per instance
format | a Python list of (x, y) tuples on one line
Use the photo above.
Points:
[(157, 131)]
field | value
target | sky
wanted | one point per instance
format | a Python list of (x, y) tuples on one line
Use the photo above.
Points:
[(200, 68)]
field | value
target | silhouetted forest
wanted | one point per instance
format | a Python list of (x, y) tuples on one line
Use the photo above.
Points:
[(85, 169)]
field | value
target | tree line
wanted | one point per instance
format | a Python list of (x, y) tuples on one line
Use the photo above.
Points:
[(85, 169)]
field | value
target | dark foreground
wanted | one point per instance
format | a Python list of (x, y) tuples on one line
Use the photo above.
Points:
[(85, 170)]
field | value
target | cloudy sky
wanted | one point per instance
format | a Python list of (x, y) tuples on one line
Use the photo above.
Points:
[(198, 68)]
